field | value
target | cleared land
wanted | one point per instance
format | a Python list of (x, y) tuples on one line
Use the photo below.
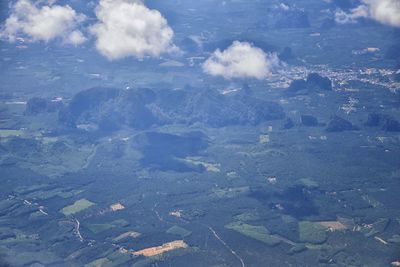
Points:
[(153, 251), (78, 206)]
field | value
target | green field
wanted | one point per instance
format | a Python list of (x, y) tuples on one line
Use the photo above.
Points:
[(78, 206)]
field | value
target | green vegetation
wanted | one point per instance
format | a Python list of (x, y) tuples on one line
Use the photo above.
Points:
[(309, 183), (119, 259), (297, 249), (50, 156), (78, 206), (180, 231), (29, 189), (376, 228), (259, 233), (185, 153), (99, 262), (14, 236), (395, 239), (231, 192), (248, 216), (101, 227), (41, 258), (312, 232), (57, 192), (7, 133)]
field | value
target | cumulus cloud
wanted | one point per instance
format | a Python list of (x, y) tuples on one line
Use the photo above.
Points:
[(241, 60), (76, 38), (384, 11), (343, 17), (43, 21), (129, 28)]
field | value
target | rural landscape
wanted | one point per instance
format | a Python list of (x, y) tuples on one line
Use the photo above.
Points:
[(200, 133)]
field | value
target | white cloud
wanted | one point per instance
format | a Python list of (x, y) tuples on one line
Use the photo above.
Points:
[(342, 17), (43, 21), (76, 38), (384, 11), (128, 28), (241, 60)]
